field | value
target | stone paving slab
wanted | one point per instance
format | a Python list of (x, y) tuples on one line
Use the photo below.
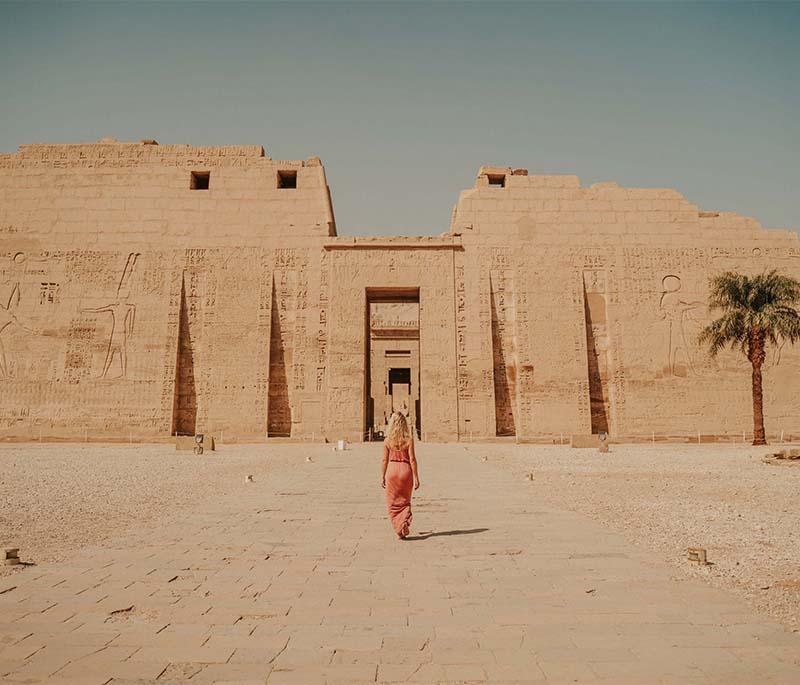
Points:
[(299, 579)]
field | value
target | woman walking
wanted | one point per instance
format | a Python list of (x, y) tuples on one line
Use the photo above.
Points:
[(399, 474)]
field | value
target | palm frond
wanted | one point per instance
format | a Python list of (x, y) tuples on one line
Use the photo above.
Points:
[(726, 290), (764, 304), (786, 324), (730, 328)]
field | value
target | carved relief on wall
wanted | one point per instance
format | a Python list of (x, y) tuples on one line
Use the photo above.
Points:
[(123, 316), (289, 294), (462, 366), (9, 305), (322, 326), (683, 318)]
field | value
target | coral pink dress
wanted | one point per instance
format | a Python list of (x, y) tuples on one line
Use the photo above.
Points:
[(399, 486)]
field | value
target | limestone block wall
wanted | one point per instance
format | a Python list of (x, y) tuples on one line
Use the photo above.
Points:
[(137, 303), (223, 352), (299, 343), (610, 288), (86, 343), (520, 344), (360, 266), (114, 194), (129, 344), (257, 326)]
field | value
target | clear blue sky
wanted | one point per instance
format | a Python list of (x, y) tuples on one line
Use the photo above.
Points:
[(403, 101)]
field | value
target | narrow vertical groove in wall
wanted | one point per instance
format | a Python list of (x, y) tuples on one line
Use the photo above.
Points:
[(595, 314), (503, 358), (184, 415), (279, 419), (369, 402)]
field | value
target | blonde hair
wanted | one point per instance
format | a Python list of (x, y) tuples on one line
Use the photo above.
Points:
[(399, 433)]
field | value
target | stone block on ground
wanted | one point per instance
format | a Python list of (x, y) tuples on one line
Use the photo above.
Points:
[(584, 441)]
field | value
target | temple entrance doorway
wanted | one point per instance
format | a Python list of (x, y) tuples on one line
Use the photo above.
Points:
[(392, 359)]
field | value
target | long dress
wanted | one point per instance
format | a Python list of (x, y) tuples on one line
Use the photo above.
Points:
[(399, 486)]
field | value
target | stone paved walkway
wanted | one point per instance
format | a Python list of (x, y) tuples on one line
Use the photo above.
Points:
[(300, 580)]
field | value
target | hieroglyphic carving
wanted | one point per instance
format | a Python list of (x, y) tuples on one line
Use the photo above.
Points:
[(638, 265), (89, 267), (288, 333), (618, 383), (322, 324), (300, 324), (462, 366), (394, 316), (185, 410), (126, 155), (49, 293), (78, 360), (169, 386), (485, 318), (263, 326), (193, 299), (525, 361), (210, 331)]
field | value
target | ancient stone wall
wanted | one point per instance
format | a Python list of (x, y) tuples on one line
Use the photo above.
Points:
[(137, 302), (148, 290), (611, 286), (421, 269), (112, 195)]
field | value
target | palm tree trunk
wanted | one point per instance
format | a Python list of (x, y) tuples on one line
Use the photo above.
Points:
[(758, 407)]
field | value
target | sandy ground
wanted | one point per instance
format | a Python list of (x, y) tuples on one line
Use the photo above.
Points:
[(54, 499), (666, 498)]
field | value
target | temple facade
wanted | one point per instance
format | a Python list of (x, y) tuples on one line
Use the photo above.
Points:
[(150, 290)]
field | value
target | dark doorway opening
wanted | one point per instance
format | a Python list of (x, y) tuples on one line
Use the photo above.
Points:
[(399, 376), (400, 390), (392, 359)]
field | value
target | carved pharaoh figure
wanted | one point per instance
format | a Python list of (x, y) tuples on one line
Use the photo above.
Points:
[(684, 319), (123, 315), (8, 305)]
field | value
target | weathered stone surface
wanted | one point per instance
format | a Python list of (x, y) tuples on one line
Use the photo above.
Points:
[(583, 441), (150, 290)]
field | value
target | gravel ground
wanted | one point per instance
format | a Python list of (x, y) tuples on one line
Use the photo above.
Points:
[(666, 498), (57, 498), (54, 499)]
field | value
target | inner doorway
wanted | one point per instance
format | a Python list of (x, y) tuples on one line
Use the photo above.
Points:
[(392, 359)]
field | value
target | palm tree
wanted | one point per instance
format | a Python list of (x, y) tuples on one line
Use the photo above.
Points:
[(755, 311)]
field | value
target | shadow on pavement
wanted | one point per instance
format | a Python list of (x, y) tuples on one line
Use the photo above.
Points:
[(425, 535)]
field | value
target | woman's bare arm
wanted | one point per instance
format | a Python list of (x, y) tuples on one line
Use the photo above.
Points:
[(412, 458), (384, 464)]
